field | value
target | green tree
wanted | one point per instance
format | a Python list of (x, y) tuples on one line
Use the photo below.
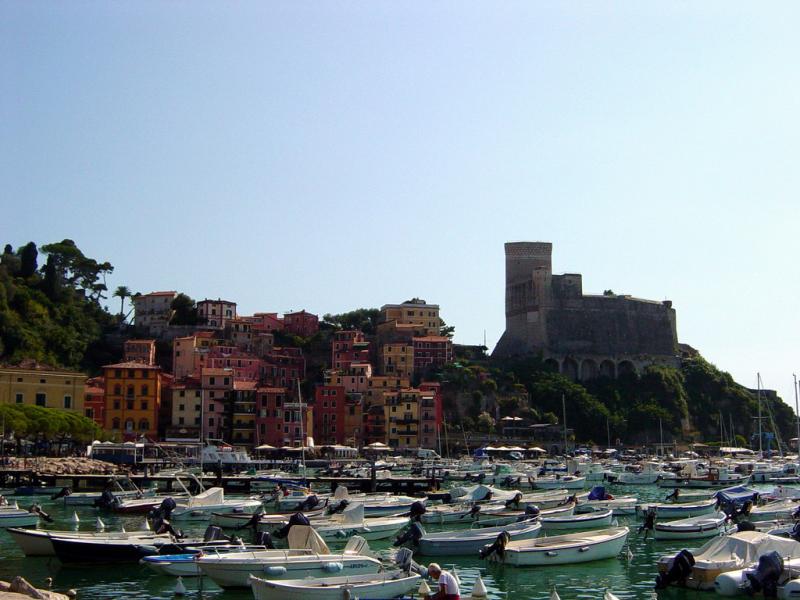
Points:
[(485, 422), (122, 292), (184, 311), (363, 319), (28, 256)]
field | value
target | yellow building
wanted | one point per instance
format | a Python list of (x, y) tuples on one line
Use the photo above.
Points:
[(187, 401), (132, 399), (41, 385), (398, 359), (189, 354), (401, 409), (378, 384), (417, 313)]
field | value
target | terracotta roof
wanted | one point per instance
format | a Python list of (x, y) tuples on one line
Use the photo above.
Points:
[(29, 364), (240, 384), (272, 390), (94, 391), (432, 338), (131, 365), (211, 371), (171, 293)]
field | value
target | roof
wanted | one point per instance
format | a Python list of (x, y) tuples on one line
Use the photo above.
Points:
[(239, 384), (131, 365), (138, 341), (432, 338), (32, 365), (212, 371), (218, 301), (93, 391), (169, 293), (271, 390)]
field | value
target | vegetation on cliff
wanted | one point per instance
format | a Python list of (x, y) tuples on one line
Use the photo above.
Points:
[(53, 313)]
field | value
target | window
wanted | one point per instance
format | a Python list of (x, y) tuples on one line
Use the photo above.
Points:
[(129, 426), (211, 421), (197, 420), (41, 399), (117, 372), (182, 394), (226, 381), (144, 405), (144, 425), (131, 373), (145, 390), (129, 404), (67, 401), (181, 407), (130, 392), (212, 380), (19, 379), (197, 407), (117, 389), (211, 407), (43, 381), (89, 413), (116, 404), (180, 420), (115, 423), (19, 398)]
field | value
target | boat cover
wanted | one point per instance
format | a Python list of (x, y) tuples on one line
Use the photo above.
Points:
[(302, 537), (353, 514), (744, 548), (737, 495), (210, 497), (598, 493)]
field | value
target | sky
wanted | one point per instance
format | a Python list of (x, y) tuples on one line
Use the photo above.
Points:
[(336, 155)]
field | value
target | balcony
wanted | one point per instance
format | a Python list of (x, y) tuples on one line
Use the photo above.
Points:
[(406, 421), (428, 404), (244, 409)]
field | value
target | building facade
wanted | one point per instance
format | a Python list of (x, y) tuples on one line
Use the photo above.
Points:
[(36, 384), (132, 400), (153, 311)]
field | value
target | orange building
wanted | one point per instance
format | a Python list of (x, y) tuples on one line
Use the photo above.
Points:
[(132, 400)]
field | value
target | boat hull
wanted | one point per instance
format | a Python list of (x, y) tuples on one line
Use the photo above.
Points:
[(554, 551), (576, 522), (298, 590)]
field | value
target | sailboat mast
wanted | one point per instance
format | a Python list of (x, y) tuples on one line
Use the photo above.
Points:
[(564, 418), (661, 436), (758, 394), (796, 415), (302, 435)]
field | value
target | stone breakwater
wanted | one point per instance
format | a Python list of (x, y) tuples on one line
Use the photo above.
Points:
[(19, 589), (64, 466)]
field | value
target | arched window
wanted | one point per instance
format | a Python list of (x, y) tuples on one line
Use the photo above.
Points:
[(115, 423), (130, 391), (144, 390), (129, 425), (144, 425), (117, 389)]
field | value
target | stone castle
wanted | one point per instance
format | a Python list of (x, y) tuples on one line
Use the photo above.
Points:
[(582, 336)]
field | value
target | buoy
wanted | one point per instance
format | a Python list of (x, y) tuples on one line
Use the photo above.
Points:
[(479, 590), (554, 594), (75, 518), (424, 589), (180, 589), (99, 524), (49, 582)]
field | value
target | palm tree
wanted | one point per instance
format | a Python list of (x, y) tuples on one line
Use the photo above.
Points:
[(122, 292)]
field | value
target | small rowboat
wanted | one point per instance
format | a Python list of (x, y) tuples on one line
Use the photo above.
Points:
[(693, 528), (593, 520), (376, 586), (12, 516), (567, 482), (563, 549), (459, 513), (680, 510), (36, 542), (470, 542), (780, 509)]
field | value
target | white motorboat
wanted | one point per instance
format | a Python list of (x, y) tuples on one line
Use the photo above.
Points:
[(647, 474), (567, 482), (468, 542), (592, 520), (620, 506), (184, 564), (680, 510), (693, 528), (351, 521), (14, 516), (541, 500), (36, 542), (460, 513), (481, 493), (699, 569), (212, 500), (572, 548), (380, 586), (118, 489), (779, 509), (234, 570)]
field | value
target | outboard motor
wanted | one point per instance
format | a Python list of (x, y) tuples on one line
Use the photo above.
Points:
[(498, 546), (62, 493), (412, 534), (165, 509), (508, 481), (674, 496), (37, 510), (764, 578), (514, 501), (473, 512), (336, 508), (214, 534), (106, 499), (649, 522), (480, 477), (532, 511), (308, 503), (404, 560), (598, 492), (745, 526), (795, 532), (296, 519), (253, 521), (263, 538), (416, 510), (681, 568)]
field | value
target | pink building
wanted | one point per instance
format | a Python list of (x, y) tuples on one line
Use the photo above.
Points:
[(243, 365), (282, 367), (302, 323), (347, 347), (266, 322), (217, 384), (189, 354)]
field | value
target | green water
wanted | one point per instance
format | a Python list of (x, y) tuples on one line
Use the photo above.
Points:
[(628, 579)]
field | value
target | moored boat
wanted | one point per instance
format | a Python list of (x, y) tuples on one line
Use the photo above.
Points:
[(592, 520), (467, 542), (692, 528), (562, 549), (380, 586)]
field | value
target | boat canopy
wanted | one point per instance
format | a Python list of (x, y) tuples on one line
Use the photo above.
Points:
[(747, 546), (737, 495), (303, 536)]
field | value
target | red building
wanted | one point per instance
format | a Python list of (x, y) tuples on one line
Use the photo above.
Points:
[(348, 346), (266, 322), (280, 419), (282, 367), (94, 404), (330, 408), (301, 323), (432, 351)]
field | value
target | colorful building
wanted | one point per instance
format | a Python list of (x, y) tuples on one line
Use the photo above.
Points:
[(378, 384), (397, 359), (216, 313), (329, 409), (242, 407), (132, 400), (189, 354), (418, 313), (266, 322), (41, 385), (216, 384), (431, 415), (141, 351), (347, 347), (187, 408), (302, 323), (280, 419), (401, 410), (94, 403), (239, 332), (153, 311), (432, 351)]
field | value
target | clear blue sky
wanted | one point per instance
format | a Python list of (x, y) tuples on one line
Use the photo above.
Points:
[(332, 155)]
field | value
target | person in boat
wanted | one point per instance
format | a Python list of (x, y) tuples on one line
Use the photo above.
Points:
[(448, 584)]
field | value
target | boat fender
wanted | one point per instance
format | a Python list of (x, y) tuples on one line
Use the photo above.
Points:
[(681, 568), (333, 567), (275, 571), (497, 547), (764, 578), (583, 549)]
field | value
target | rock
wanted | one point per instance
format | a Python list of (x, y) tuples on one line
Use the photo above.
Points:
[(19, 586)]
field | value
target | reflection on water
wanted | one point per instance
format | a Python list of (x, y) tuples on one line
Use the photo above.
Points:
[(628, 579)]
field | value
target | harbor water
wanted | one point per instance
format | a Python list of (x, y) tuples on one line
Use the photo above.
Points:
[(629, 576)]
